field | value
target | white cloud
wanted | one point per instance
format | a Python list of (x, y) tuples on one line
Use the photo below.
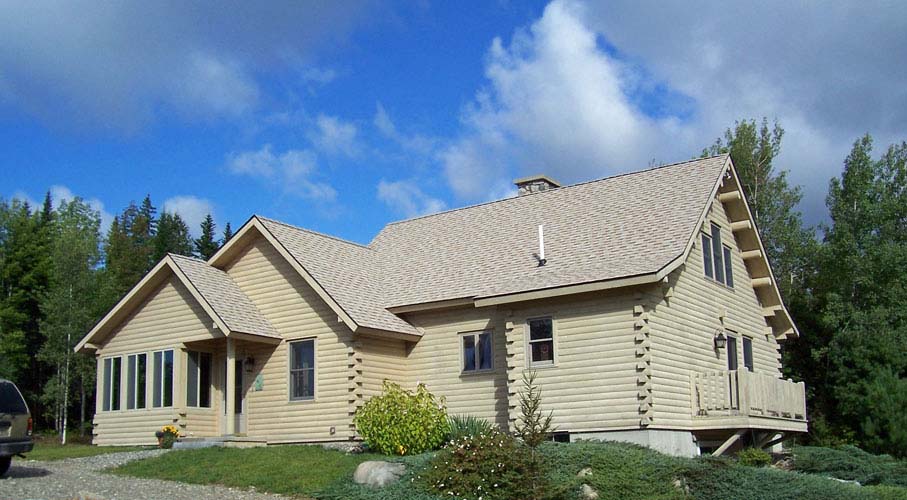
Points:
[(335, 136), (215, 86), (191, 209), (415, 143), (59, 194), (24, 197), (406, 198), (321, 76), (290, 171)]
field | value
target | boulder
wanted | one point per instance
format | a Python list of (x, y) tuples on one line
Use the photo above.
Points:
[(589, 492), (584, 472), (377, 473)]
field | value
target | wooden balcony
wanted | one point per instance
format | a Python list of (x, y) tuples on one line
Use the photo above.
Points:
[(740, 393)]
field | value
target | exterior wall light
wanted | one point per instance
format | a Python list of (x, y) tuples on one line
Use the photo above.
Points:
[(720, 340), (249, 364)]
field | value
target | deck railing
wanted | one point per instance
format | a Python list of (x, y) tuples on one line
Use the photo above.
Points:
[(740, 392)]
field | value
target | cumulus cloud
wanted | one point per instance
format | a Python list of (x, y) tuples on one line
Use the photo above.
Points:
[(116, 65), (59, 194), (191, 209), (335, 136), (291, 171), (417, 144), (406, 198)]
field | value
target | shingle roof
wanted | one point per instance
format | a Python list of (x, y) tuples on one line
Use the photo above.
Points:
[(626, 225), (219, 290)]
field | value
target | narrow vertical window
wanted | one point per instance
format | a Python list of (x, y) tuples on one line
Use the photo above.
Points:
[(198, 379), (717, 253), (748, 353), (130, 382), (192, 379), (156, 384), (140, 372), (105, 406), (168, 378), (135, 381), (728, 267), (707, 256), (478, 353), (731, 353), (115, 377), (162, 387), (302, 369), (541, 342)]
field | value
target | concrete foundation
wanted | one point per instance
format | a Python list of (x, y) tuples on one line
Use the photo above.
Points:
[(677, 443)]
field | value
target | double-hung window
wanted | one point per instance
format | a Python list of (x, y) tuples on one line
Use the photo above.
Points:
[(541, 342), (162, 385), (198, 380), (478, 354), (716, 258), (136, 366), (112, 370), (302, 370)]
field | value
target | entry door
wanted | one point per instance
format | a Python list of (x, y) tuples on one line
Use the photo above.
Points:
[(732, 376), (239, 415)]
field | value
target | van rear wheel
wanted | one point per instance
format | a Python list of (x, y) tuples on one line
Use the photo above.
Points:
[(4, 464)]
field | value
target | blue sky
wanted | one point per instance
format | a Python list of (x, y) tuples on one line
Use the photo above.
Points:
[(347, 116)]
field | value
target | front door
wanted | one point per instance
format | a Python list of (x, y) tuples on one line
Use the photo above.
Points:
[(239, 415)]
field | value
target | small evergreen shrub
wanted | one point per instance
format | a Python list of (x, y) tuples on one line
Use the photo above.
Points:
[(754, 457), (467, 425), (402, 422), (851, 464)]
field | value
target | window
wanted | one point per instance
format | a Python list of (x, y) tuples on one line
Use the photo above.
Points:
[(135, 381), (477, 352), (112, 371), (302, 370), (731, 352), (163, 379), (716, 258), (198, 380), (748, 353), (541, 341), (707, 256), (728, 267)]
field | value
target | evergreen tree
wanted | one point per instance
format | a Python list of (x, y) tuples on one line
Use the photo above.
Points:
[(172, 237), (228, 233), (206, 244), (129, 249), (75, 255)]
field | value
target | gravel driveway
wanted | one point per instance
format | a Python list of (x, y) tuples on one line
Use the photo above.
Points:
[(81, 478)]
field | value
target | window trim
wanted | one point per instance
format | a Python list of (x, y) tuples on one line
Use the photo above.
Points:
[(528, 343), (107, 391), (476, 334), (728, 254), (732, 338), (163, 379), (751, 367), (135, 385), (314, 396), (198, 381), (709, 257)]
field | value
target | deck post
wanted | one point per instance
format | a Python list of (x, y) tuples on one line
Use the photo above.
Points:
[(230, 387)]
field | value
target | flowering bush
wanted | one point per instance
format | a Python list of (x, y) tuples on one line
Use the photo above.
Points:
[(485, 466), (401, 422), (167, 436)]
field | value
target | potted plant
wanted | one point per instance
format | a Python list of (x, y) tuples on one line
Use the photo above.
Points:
[(167, 436)]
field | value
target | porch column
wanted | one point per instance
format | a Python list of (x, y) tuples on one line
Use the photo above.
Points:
[(230, 387)]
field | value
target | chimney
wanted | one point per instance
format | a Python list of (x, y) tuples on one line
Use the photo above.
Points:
[(535, 184)]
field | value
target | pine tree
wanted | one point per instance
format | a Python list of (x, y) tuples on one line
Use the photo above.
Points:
[(129, 249), (228, 233), (206, 244), (172, 237)]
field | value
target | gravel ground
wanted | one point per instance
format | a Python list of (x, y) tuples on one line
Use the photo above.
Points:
[(82, 479)]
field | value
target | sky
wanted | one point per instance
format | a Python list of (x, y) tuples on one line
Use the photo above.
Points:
[(344, 116)]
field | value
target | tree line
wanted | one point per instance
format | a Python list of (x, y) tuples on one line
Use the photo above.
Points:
[(844, 282), (59, 275)]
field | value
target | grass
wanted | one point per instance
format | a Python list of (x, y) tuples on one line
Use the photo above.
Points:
[(620, 472), (291, 470), (49, 449)]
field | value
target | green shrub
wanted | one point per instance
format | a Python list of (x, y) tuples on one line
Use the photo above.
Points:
[(754, 457), (401, 422), (489, 466), (467, 425), (852, 464)]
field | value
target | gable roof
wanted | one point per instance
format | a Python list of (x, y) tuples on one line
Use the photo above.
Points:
[(226, 305)]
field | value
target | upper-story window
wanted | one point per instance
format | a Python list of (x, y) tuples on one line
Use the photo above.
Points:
[(748, 353), (541, 342), (478, 354), (716, 257)]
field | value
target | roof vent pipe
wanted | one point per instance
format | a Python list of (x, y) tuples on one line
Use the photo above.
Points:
[(542, 259)]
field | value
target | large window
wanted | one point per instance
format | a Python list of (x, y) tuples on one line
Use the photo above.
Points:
[(716, 258), (302, 370), (162, 388), (198, 380), (541, 341), (112, 371), (748, 353), (136, 365), (478, 354)]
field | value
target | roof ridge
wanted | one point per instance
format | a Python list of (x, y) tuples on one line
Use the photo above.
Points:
[(310, 231), (190, 257), (610, 177)]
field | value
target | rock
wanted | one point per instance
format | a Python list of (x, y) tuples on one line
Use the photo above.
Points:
[(377, 473), (589, 492), (584, 472)]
